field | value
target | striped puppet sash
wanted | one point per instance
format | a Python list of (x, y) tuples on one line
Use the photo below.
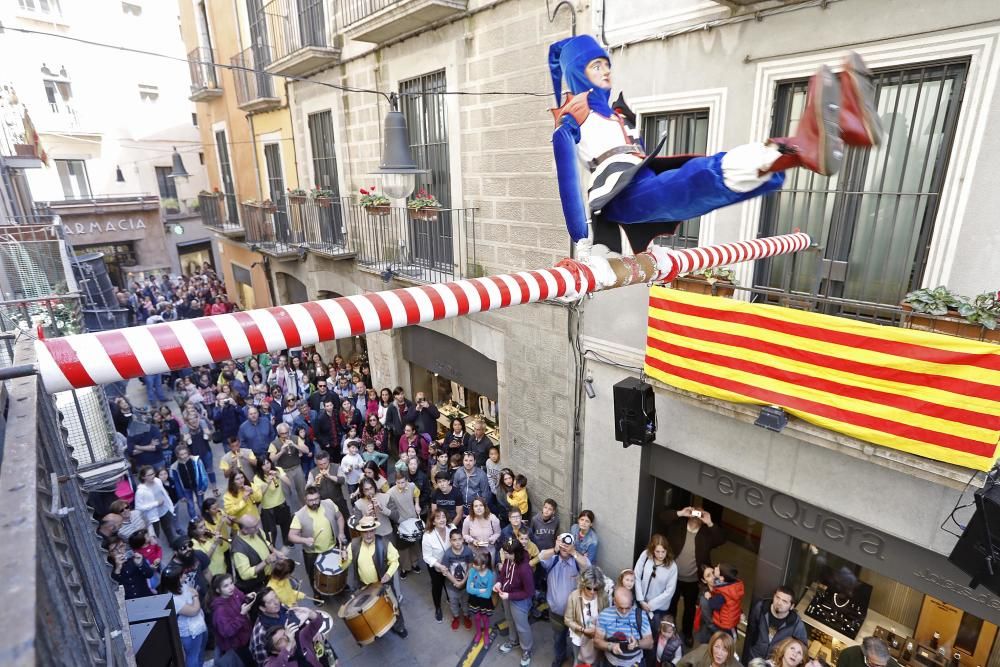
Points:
[(928, 394)]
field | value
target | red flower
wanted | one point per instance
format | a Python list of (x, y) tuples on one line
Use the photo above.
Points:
[(363, 191)]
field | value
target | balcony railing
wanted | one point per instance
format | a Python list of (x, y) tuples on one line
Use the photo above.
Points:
[(296, 224), (204, 77), (431, 247), (219, 212), (381, 20), (254, 89), (302, 36)]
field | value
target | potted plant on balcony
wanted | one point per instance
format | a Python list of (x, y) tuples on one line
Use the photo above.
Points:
[(322, 196), (297, 195), (170, 206), (933, 310), (194, 204), (374, 203), (982, 312), (719, 281), (423, 206), (269, 206)]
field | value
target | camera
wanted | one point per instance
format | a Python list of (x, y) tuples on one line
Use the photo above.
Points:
[(623, 645), (696, 514)]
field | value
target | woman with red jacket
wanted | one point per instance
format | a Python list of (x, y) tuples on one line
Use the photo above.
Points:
[(725, 601), (516, 586), (231, 617)]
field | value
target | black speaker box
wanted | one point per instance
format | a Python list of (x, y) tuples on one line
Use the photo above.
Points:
[(974, 554), (635, 412), (152, 623)]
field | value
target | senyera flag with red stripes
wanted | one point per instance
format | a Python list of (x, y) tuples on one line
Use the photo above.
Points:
[(928, 394)]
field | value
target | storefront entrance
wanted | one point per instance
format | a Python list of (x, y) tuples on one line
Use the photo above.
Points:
[(850, 580), (194, 255), (117, 256)]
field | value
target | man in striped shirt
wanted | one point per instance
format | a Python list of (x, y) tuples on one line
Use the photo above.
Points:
[(623, 631)]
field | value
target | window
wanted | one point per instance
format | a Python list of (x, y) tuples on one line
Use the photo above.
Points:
[(686, 132), (168, 189), (58, 94), (875, 219), (194, 118), (426, 119), (226, 169), (201, 158), (324, 164), (73, 177), (50, 7), (133, 8), (149, 93), (276, 191)]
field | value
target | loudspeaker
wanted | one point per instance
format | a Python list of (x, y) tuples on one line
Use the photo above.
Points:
[(152, 623), (977, 552), (635, 412)]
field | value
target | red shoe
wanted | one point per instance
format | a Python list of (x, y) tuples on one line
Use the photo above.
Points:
[(817, 145), (454, 623), (859, 121), (468, 623)]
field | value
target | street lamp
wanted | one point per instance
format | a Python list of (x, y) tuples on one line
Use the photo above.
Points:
[(178, 170), (397, 168)]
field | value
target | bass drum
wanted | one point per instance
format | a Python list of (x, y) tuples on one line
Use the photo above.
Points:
[(369, 614), (411, 531), (330, 577)]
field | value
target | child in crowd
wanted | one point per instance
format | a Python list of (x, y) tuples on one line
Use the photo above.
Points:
[(168, 485), (351, 465), (440, 468), (281, 583), (519, 496), (456, 562), (454, 463), (493, 468), (145, 545), (530, 548), (480, 590), (378, 457)]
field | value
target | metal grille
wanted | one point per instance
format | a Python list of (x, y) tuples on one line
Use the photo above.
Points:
[(330, 223), (426, 119), (276, 188), (875, 219), (228, 187), (166, 185), (686, 133), (259, 53), (202, 65), (251, 86), (358, 10), (293, 25)]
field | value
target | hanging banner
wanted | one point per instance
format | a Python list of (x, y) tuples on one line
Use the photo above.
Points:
[(928, 394)]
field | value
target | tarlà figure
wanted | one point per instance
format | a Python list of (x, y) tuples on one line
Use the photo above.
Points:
[(633, 197)]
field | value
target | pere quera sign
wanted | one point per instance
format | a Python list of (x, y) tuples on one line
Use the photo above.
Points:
[(908, 563), (103, 226)]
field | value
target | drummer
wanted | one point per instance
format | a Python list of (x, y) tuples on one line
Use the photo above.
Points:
[(406, 498), (318, 527), (253, 555), (376, 563)]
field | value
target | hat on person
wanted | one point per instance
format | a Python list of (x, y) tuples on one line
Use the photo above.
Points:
[(566, 538), (366, 523)]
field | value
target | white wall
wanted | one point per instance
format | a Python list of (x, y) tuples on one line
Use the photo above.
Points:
[(115, 128)]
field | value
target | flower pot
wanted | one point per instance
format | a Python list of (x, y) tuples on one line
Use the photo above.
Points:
[(700, 286), (297, 199), (380, 211), (425, 213), (325, 202)]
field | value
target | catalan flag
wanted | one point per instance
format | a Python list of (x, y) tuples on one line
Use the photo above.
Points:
[(928, 394)]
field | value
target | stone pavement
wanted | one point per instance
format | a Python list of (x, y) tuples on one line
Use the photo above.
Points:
[(429, 644)]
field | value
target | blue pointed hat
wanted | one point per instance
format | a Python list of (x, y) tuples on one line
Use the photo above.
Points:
[(568, 59)]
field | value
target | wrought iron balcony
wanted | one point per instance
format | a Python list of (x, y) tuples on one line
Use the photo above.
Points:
[(204, 77), (220, 213), (254, 89), (301, 35), (432, 245), (297, 224), (381, 20)]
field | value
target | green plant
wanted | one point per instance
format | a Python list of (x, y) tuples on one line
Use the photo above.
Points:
[(937, 301), (371, 198), (718, 274), (170, 203), (194, 204), (423, 199), (983, 309), (316, 193), (296, 192)]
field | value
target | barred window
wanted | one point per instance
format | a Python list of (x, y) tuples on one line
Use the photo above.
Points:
[(875, 219), (686, 132)]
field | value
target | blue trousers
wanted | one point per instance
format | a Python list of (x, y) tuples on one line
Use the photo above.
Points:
[(154, 389), (194, 649)]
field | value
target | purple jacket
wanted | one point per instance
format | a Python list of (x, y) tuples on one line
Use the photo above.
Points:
[(517, 580), (304, 643), (232, 629)]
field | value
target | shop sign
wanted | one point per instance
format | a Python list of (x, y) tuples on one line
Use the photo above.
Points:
[(97, 227), (908, 563)]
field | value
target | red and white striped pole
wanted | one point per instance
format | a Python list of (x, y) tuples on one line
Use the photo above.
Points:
[(85, 360)]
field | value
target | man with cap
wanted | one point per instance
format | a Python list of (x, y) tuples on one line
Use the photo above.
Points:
[(563, 565), (634, 196), (377, 562)]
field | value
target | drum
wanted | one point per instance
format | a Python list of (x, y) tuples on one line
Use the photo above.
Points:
[(411, 530), (330, 577), (369, 614)]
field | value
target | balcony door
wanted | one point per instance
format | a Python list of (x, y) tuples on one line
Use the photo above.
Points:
[(427, 122), (312, 22), (875, 219), (324, 167), (226, 173), (276, 191), (259, 47)]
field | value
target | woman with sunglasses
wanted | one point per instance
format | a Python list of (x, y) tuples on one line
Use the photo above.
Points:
[(582, 609)]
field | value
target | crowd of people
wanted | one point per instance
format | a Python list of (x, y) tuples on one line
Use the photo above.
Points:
[(314, 458)]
